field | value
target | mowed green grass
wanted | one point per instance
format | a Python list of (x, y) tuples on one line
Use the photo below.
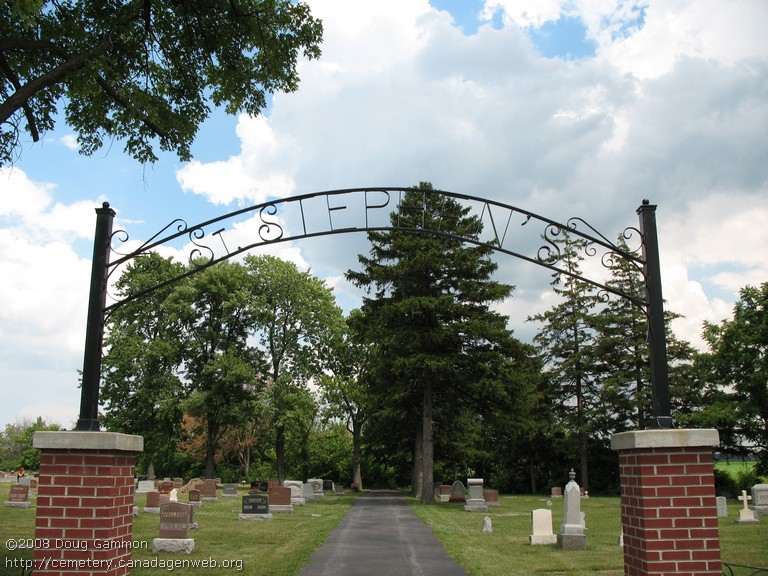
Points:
[(281, 546), (278, 547), (506, 551)]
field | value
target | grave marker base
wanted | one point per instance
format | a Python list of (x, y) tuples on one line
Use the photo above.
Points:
[(542, 539), (571, 541), (173, 545), (254, 516)]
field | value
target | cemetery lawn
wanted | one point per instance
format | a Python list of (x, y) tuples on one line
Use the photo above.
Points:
[(280, 547), (506, 551)]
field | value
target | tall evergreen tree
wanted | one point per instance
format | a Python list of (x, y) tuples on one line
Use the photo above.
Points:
[(567, 339), (622, 357), (428, 310)]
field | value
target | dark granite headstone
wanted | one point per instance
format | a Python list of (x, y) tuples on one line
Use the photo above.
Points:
[(256, 504)]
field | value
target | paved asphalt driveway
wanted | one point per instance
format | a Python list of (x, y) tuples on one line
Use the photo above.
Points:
[(381, 536)]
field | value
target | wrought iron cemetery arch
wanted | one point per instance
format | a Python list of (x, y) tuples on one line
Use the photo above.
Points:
[(334, 212)]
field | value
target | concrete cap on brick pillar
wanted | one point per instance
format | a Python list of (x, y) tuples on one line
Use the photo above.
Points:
[(79, 440), (665, 438)]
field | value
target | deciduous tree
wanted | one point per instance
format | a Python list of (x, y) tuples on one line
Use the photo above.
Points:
[(145, 71), (295, 313), (739, 362)]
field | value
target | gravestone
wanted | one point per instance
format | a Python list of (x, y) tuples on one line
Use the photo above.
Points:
[(487, 525), (145, 486), (339, 490), (722, 506), (174, 529), (760, 499), (178, 483), (255, 507), (192, 524), (557, 492), (327, 485), (445, 492), (30, 483), (18, 496), (194, 497), (173, 496), (297, 491), (746, 516), (541, 527), (491, 497), (475, 502), (457, 492), (571, 535), (259, 486), (165, 487), (153, 503), (209, 490), (230, 491), (317, 487), (308, 491), (280, 499)]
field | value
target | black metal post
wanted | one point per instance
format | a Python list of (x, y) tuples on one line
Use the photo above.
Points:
[(657, 340), (94, 330)]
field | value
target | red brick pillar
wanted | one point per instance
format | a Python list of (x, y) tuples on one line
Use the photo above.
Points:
[(668, 508), (84, 522)]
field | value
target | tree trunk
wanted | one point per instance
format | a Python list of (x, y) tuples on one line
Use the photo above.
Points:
[(428, 451), (357, 435), (418, 467), (210, 448), (280, 453), (532, 469)]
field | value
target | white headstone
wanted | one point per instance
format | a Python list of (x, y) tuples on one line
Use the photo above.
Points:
[(487, 526), (297, 491), (571, 535), (541, 527), (746, 516), (722, 506)]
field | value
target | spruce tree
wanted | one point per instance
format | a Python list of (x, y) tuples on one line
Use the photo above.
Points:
[(428, 310), (567, 339)]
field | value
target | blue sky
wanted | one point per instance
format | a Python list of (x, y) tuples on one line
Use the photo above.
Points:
[(566, 109)]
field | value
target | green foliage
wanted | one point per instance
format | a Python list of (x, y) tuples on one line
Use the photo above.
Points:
[(737, 365), (441, 350), (141, 386), (16, 449), (145, 72)]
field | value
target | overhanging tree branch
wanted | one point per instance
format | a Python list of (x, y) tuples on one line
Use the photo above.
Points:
[(22, 95)]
